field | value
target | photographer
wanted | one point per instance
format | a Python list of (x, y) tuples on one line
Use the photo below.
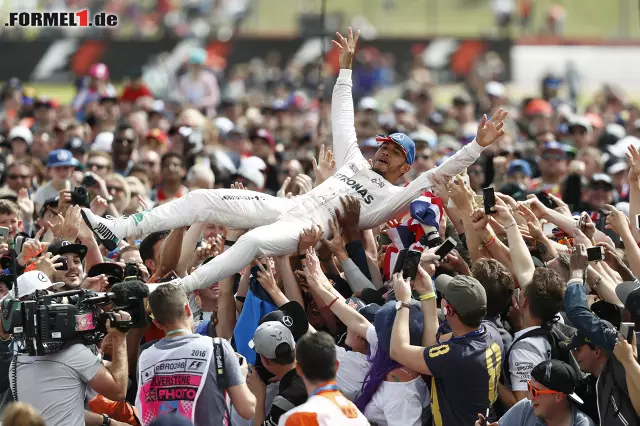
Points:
[(55, 384), (617, 398)]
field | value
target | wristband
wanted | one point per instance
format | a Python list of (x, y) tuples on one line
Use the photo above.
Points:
[(241, 299), (106, 421), (512, 224), (332, 302), (427, 296)]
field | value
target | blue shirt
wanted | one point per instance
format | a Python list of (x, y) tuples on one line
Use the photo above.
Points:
[(521, 414), (465, 371)]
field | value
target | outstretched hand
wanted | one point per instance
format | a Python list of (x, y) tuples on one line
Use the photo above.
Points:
[(347, 48), (490, 130)]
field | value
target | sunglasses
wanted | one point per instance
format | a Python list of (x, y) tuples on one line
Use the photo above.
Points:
[(537, 392), (554, 156), (96, 166), (12, 177)]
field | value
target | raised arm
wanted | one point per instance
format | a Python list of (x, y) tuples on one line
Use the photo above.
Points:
[(488, 132), (345, 141)]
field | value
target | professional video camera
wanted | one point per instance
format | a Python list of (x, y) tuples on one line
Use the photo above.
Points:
[(46, 326)]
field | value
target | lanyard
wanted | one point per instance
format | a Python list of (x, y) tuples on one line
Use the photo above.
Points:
[(464, 336), (179, 330), (324, 389)]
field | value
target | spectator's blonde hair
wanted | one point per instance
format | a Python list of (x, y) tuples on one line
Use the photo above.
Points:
[(21, 414), (125, 186)]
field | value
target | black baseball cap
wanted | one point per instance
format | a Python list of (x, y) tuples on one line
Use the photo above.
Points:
[(293, 316), (629, 294), (50, 203), (63, 247), (580, 339), (368, 311), (113, 271), (558, 376)]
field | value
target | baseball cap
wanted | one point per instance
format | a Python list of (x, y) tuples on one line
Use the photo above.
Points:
[(402, 105), (368, 104), (617, 167), (629, 294), (580, 339), (581, 121), (265, 135), (8, 194), (368, 311), (60, 158), (77, 145), (113, 272), (405, 143), (31, 281), (494, 88), (198, 56), (269, 336), (462, 99), (102, 142), (63, 247), (539, 107), (158, 135), (21, 132), (50, 203), (464, 293), (600, 178), (558, 376), (554, 146), (520, 166), (293, 316)]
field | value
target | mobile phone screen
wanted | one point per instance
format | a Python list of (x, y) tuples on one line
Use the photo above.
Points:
[(400, 261), (446, 247), (489, 199), (411, 262)]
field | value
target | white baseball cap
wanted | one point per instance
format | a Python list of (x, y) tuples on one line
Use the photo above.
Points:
[(21, 132), (103, 142), (31, 281)]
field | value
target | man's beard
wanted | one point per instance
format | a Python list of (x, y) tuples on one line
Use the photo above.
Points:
[(378, 171)]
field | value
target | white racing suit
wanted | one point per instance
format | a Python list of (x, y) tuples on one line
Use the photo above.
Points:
[(275, 223)]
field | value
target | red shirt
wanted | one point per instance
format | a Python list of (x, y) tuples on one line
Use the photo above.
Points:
[(131, 94)]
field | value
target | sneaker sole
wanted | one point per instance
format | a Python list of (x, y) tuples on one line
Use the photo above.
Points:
[(109, 244)]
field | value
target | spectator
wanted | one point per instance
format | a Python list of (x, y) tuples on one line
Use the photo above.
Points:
[(60, 166), (539, 303), (200, 176), (199, 87), (475, 347), (614, 408), (172, 314), (317, 365), (498, 285), (277, 355), (124, 142), (20, 176), (172, 171), (552, 399), (20, 138), (74, 255)]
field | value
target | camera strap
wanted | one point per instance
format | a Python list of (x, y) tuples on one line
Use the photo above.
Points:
[(218, 359)]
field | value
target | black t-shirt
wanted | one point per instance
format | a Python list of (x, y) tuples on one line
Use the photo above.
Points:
[(291, 393), (465, 373)]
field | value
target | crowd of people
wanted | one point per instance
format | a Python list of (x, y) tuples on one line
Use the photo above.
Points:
[(291, 282)]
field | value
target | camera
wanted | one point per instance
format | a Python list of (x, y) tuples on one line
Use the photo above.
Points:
[(80, 196), (44, 326), (89, 181), (132, 272)]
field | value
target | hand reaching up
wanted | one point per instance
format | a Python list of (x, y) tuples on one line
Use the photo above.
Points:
[(347, 48), (490, 130), (323, 169)]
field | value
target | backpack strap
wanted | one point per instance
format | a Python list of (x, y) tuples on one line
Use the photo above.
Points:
[(541, 331)]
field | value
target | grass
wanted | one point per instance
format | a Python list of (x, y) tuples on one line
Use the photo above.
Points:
[(417, 18)]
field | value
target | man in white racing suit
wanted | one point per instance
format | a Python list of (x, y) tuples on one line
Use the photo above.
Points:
[(275, 223)]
